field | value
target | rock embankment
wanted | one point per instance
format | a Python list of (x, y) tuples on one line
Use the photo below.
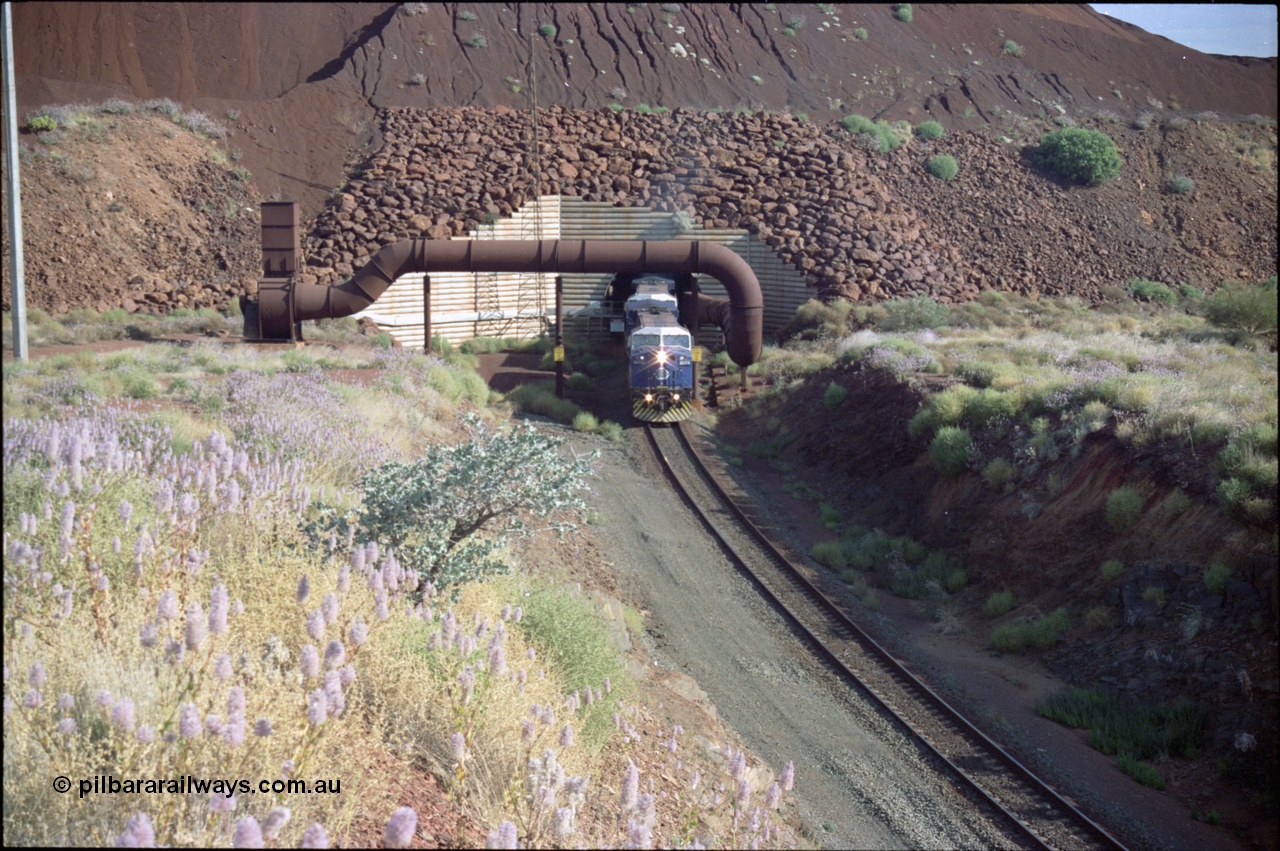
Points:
[(858, 223)]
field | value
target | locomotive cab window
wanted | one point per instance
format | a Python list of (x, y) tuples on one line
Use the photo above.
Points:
[(646, 339), (675, 341)]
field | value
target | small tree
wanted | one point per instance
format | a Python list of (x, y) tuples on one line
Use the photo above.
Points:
[(1087, 157), (433, 510)]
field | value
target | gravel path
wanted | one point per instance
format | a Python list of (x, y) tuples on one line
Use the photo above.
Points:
[(860, 783)]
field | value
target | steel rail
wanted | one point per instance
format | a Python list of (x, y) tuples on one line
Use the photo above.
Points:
[(895, 666)]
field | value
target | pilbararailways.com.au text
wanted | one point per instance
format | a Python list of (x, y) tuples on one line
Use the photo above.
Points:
[(109, 784)]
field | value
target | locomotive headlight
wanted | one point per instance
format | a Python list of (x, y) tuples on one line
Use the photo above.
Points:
[(675, 397), (648, 397), (662, 356)]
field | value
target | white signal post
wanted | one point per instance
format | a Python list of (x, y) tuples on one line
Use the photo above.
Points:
[(18, 300)]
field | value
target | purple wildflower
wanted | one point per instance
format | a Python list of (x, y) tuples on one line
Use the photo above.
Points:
[(630, 787), (36, 675), (146, 735), (222, 666), (744, 793), (380, 605), (195, 629), (262, 727), (219, 607), (66, 702), (334, 654), (67, 726), (562, 824), (189, 721), (344, 579), (330, 608), (248, 834), (103, 698), (497, 658), (359, 632), (304, 589), (738, 765), (315, 625), (467, 680), (347, 675), (168, 605), (639, 835), (274, 823), (310, 661), (213, 724), (400, 828), (458, 747), (333, 694), (317, 707), (122, 715), (504, 836), (138, 833), (220, 803), (315, 837), (566, 736), (32, 699), (772, 796)]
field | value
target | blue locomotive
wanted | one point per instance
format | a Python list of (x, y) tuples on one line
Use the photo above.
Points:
[(659, 353)]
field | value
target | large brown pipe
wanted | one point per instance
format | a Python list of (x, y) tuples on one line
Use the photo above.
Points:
[(743, 321)]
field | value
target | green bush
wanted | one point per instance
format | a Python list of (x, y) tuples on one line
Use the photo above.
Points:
[(1011, 47), (1087, 157), (943, 166), (998, 473), (834, 396), (1140, 771), (950, 406), (1151, 291), (860, 34), (567, 631), (1216, 576), (999, 603), (1120, 725), (915, 314), (831, 554), (1180, 184), (991, 404), (1111, 569), (41, 124), (930, 130), (885, 137), (1124, 507), (1040, 634), (548, 30), (950, 450), (902, 11), (586, 422), (1250, 310)]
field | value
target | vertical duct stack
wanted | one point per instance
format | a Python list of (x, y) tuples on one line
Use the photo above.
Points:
[(281, 259)]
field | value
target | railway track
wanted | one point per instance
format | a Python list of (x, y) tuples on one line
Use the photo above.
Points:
[(1035, 814)]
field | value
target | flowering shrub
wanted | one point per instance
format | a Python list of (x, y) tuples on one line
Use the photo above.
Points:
[(433, 508)]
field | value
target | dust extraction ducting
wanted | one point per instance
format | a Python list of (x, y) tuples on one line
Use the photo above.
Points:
[(284, 301)]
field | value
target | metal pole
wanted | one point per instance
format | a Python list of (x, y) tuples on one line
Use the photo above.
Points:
[(559, 351), (426, 313), (18, 300)]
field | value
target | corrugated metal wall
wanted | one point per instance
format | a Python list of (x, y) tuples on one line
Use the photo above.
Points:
[(466, 305)]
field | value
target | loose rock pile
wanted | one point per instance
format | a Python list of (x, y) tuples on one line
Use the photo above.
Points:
[(862, 224), (804, 191)]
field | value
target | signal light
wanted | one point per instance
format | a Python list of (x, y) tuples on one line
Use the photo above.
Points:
[(648, 397)]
